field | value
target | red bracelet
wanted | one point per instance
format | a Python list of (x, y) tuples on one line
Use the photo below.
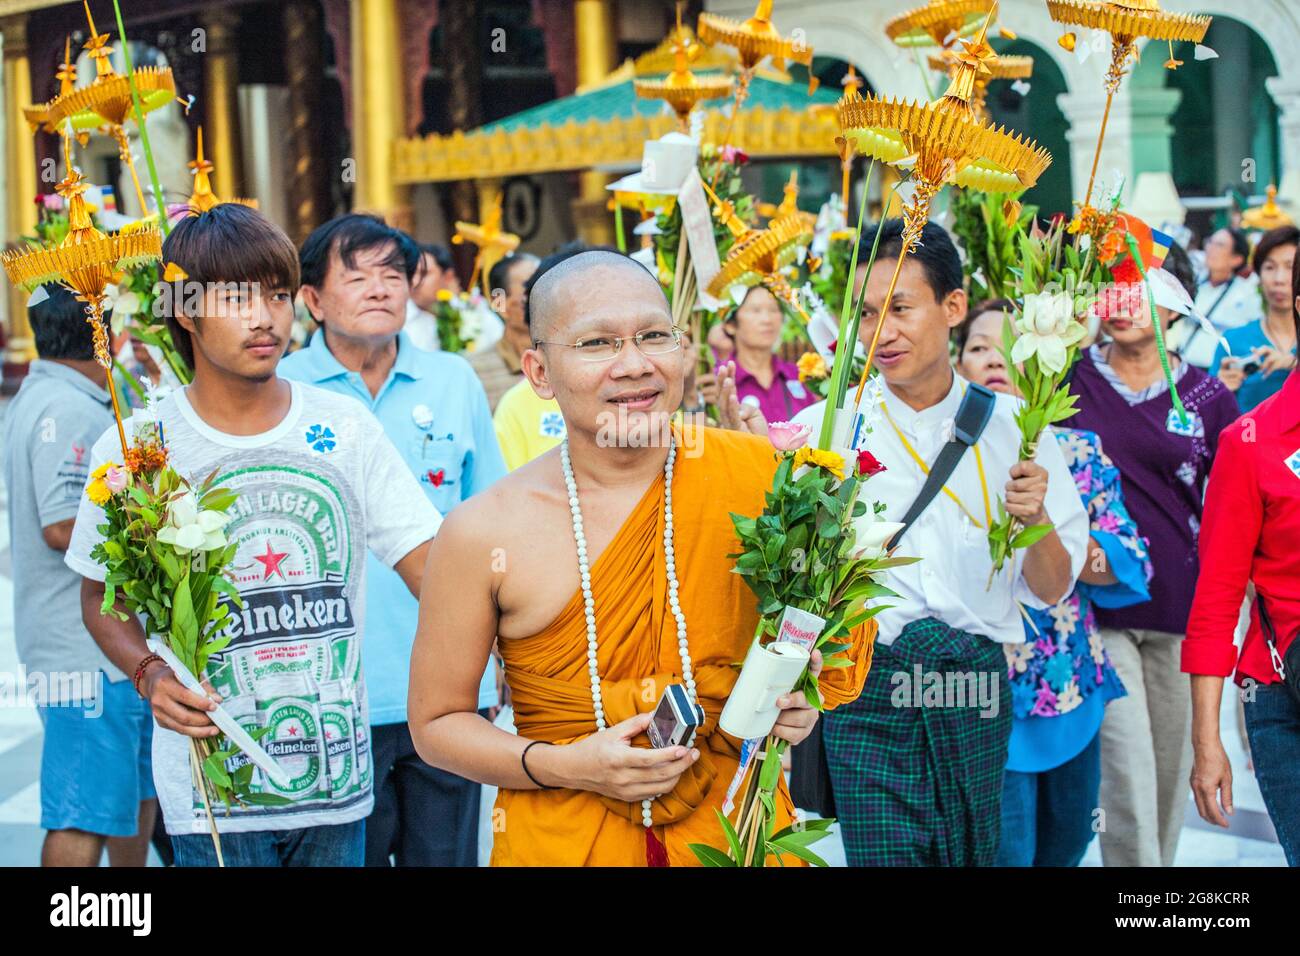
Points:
[(141, 667)]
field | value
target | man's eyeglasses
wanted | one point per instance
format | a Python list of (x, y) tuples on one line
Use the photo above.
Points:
[(603, 348)]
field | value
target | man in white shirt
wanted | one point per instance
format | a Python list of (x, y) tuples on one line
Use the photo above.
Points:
[(917, 761)]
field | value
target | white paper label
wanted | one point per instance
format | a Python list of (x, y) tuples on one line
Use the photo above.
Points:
[(800, 627), (697, 221)]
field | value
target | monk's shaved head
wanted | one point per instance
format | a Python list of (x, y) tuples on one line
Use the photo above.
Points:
[(560, 291)]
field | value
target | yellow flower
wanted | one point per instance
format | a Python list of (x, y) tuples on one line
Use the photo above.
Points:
[(841, 235), (811, 365), (818, 458), (445, 295), (98, 492), (102, 470)]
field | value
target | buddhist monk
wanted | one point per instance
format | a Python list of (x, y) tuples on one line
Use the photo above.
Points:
[(580, 781)]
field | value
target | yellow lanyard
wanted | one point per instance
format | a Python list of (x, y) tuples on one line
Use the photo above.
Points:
[(979, 464)]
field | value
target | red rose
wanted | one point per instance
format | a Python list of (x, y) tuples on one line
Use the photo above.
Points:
[(734, 155), (868, 464)]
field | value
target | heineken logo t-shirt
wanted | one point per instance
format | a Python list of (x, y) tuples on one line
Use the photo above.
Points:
[(315, 493)]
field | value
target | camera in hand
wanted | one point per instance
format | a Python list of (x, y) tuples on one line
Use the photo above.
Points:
[(675, 719), (1251, 366)]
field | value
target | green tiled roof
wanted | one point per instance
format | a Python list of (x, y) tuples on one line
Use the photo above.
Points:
[(619, 100)]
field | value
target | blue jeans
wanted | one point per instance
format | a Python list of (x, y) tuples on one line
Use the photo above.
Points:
[(1047, 817), (342, 844), (1273, 728)]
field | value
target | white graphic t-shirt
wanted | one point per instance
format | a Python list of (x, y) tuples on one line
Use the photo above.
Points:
[(315, 492)]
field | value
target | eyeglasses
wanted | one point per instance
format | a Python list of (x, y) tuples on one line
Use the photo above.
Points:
[(603, 348)]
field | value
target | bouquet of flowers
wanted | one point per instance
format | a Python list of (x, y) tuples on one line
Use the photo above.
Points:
[(167, 557), (720, 166), (458, 318), (816, 549), (1058, 283), (989, 227)]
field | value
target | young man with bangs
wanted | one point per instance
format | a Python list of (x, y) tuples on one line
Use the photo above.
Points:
[(319, 483)]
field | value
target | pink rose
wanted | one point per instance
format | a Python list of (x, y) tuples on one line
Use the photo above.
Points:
[(734, 155), (787, 436), (115, 478)]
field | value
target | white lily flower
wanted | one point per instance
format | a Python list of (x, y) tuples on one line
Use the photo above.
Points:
[(872, 533), (1047, 328), (191, 528)]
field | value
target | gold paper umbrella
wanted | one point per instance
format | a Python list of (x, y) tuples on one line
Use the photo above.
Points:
[(947, 143), (106, 102), (755, 39), (682, 89), (1004, 68), (203, 198), (1268, 216), (85, 261), (934, 23), (491, 241), (1125, 21), (38, 116), (760, 255)]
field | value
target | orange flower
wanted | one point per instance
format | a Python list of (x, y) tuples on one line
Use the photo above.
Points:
[(146, 458)]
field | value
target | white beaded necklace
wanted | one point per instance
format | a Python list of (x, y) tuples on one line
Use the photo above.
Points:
[(589, 605)]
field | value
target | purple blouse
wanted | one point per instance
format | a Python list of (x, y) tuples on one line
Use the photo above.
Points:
[(1163, 467), (781, 400)]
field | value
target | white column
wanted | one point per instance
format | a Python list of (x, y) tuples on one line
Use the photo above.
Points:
[(1286, 94), (1084, 111)]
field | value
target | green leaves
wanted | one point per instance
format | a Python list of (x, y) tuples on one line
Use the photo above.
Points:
[(1031, 535)]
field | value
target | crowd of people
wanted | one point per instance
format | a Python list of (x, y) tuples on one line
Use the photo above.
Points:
[(440, 499)]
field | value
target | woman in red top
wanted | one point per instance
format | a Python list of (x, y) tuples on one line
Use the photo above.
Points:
[(1250, 532)]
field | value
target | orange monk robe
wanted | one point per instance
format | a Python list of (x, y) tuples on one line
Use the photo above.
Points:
[(717, 472)]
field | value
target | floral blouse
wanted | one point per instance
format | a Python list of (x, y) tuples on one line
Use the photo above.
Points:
[(1062, 661)]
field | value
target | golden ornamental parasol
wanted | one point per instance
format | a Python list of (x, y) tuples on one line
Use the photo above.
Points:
[(1125, 21), (85, 261), (682, 89), (203, 198), (1268, 216), (1004, 68), (760, 256), (106, 102), (38, 116), (947, 143), (492, 243), (754, 40), (936, 22), (789, 205)]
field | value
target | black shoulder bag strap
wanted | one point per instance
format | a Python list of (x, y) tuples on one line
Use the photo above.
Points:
[(973, 415)]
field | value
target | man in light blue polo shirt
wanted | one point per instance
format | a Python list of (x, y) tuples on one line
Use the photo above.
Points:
[(96, 780), (356, 275)]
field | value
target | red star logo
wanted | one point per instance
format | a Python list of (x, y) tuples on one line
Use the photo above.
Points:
[(293, 731), (271, 562)]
